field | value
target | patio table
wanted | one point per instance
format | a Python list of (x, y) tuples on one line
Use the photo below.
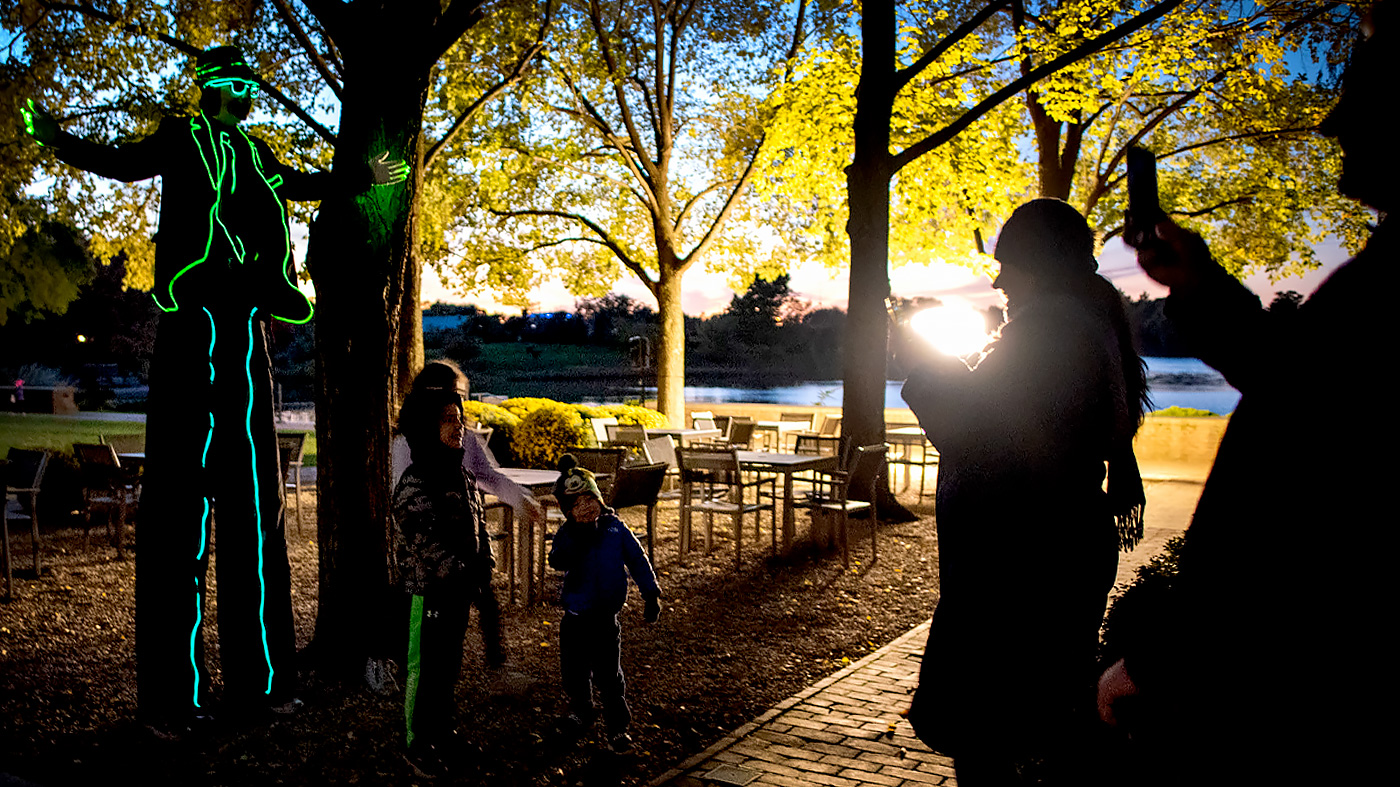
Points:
[(773, 431), (681, 435), (527, 558), (908, 438), (787, 465)]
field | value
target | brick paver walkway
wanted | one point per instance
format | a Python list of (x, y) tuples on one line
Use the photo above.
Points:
[(846, 731), (843, 731)]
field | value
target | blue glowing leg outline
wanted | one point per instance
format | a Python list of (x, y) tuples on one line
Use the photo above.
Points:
[(257, 502)]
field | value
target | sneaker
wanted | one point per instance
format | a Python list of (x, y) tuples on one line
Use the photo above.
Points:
[(574, 726), (620, 743), (288, 708)]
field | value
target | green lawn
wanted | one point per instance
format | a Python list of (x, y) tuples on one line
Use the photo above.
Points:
[(59, 433)]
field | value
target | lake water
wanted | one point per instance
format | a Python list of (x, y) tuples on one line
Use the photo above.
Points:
[(1180, 382)]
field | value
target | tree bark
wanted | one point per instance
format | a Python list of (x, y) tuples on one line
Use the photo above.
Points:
[(868, 188), (670, 358), (367, 342)]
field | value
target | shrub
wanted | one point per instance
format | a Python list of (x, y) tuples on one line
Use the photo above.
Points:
[(503, 424), (547, 433), (1183, 412), (634, 415), (521, 406), (1141, 605)]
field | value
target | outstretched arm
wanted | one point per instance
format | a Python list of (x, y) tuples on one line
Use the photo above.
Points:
[(137, 161), (311, 186)]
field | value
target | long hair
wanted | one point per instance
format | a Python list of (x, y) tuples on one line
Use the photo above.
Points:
[(439, 384), (1050, 239)]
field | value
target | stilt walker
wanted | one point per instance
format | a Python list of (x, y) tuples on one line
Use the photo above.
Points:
[(223, 269)]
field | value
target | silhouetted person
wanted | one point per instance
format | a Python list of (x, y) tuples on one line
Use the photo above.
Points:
[(1267, 661), (1027, 537), (223, 267)]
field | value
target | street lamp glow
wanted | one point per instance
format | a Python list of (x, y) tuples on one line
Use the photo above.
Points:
[(81, 338), (956, 329)]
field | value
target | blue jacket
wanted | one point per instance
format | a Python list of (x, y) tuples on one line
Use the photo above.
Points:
[(596, 558)]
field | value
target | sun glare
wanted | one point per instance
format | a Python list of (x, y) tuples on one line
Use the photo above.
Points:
[(955, 329)]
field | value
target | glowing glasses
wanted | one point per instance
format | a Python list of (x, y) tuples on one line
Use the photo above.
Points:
[(240, 88)]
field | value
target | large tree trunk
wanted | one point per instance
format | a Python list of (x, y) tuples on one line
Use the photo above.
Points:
[(670, 357), (868, 190), (366, 285)]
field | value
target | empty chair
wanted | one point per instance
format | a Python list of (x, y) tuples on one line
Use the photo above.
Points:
[(639, 485), (740, 432), (831, 425), (602, 462), (125, 443), (711, 482), (630, 436), (599, 427), (291, 450), (24, 473), (106, 488), (702, 419), (805, 419), (851, 492)]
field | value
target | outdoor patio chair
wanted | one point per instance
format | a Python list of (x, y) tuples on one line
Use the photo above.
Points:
[(107, 488), (125, 443), (850, 492), (639, 485), (24, 473), (602, 462), (722, 490), (291, 451), (702, 419), (797, 418), (629, 436), (831, 425), (599, 427), (740, 432)]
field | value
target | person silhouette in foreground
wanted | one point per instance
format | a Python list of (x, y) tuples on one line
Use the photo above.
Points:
[(1268, 653), (223, 267), (596, 551), (1027, 537)]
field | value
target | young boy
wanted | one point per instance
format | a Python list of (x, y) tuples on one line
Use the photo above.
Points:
[(444, 562), (596, 552)]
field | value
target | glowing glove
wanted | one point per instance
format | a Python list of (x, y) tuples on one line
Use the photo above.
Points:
[(388, 171), (39, 124)]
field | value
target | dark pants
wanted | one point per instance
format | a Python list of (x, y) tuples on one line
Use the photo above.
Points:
[(212, 458), (590, 655), (437, 622)]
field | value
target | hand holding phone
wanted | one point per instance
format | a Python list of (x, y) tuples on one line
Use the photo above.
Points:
[(1144, 209)]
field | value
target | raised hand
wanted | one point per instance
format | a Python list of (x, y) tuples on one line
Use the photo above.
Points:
[(39, 124), (388, 171), (1172, 256)]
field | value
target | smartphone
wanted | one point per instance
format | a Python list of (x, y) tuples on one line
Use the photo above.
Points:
[(1144, 210)]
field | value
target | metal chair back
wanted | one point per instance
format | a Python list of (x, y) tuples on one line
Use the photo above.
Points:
[(291, 454)]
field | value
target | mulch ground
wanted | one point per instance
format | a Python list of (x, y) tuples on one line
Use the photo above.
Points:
[(729, 645)]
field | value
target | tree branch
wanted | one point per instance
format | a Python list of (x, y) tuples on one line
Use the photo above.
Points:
[(904, 76), (942, 136), (302, 38), (195, 52), (516, 74), (603, 237), (458, 18), (331, 15)]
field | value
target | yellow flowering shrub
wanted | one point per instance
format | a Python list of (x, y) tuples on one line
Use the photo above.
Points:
[(547, 433)]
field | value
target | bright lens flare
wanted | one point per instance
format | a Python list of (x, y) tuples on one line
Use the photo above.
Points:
[(957, 330)]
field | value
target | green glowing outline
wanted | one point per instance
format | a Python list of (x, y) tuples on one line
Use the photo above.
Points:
[(415, 663), (257, 502), (223, 165)]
